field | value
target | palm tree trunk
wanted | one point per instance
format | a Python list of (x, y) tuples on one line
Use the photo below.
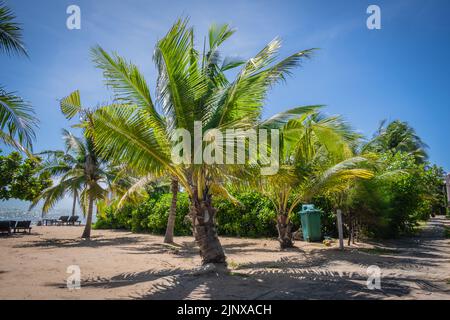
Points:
[(87, 228), (284, 228), (203, 220), (168, 238), (74, 202)]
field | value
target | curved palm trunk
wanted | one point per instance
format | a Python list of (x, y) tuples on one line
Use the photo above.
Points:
[(75, 195), (203, 220), (87, 228), (285, 235), (168, 238)]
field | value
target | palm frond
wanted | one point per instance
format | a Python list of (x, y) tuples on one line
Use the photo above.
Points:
[(136, 191), (71, 105), (10, 32), (17, 118)]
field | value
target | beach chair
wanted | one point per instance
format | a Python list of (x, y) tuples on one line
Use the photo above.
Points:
[(62, 220), (22, 226), (5, 227), (74, 219)]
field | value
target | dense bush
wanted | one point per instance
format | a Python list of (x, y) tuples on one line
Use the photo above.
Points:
[(148, 216), (403, 193), (253, 217), (158, 213)]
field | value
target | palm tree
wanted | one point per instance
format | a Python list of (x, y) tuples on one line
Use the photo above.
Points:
[(191, 87), (168, 237), (17, 120), (60, 163), (398, 136), (316, 158), (87, 173), (81, 172)]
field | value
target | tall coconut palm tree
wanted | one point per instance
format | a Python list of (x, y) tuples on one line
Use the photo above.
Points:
[(58, 164), (86, 173), (17, 120), (81, 172), (191, 88)]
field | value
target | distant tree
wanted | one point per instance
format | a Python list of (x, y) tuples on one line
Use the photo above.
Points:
[(22, 179), (84, 173), (398, 136)]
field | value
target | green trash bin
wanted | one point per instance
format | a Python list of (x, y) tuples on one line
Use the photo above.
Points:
[(311, 225)]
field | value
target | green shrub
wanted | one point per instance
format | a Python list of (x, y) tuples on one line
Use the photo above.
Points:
[(158, 213), (114, 219), (447, 232), (253, 217), (149, 216)]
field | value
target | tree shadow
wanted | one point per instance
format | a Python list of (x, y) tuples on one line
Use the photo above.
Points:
[(188, 249), (94, 242), (309, 276), (259, 285)]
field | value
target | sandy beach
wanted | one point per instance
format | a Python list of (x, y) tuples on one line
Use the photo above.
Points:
[(123, 265)]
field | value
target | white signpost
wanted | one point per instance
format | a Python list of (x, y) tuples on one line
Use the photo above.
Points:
[(447, 184)]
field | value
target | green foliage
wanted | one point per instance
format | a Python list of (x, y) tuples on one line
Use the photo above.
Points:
[(21, 179), (148, 216), (17, 119), (398, 136), (159, 213), (393, 204), (328, 218), (447, 232), (80, 170), (254, 217)]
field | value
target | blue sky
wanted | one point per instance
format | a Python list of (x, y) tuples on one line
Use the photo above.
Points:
[(398, 72)]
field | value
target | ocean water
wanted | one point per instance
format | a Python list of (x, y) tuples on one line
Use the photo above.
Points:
[(35, 215)]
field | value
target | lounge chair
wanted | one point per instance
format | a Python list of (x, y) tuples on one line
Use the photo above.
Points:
[(47, 222), (62, 220), (74, 219), (22, 225), (5, 227)]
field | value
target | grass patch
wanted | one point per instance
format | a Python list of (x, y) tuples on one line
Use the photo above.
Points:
[(379, 251), (418, 228), (233, 264), (447, 232), (238, 274)]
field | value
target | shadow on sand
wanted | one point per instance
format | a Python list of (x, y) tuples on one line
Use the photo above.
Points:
[(308, 276)]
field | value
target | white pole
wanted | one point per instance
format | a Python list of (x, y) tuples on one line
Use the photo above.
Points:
[(447, 183), (341, 233)]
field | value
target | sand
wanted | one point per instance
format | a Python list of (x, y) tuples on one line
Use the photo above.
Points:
[(123, 265)]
